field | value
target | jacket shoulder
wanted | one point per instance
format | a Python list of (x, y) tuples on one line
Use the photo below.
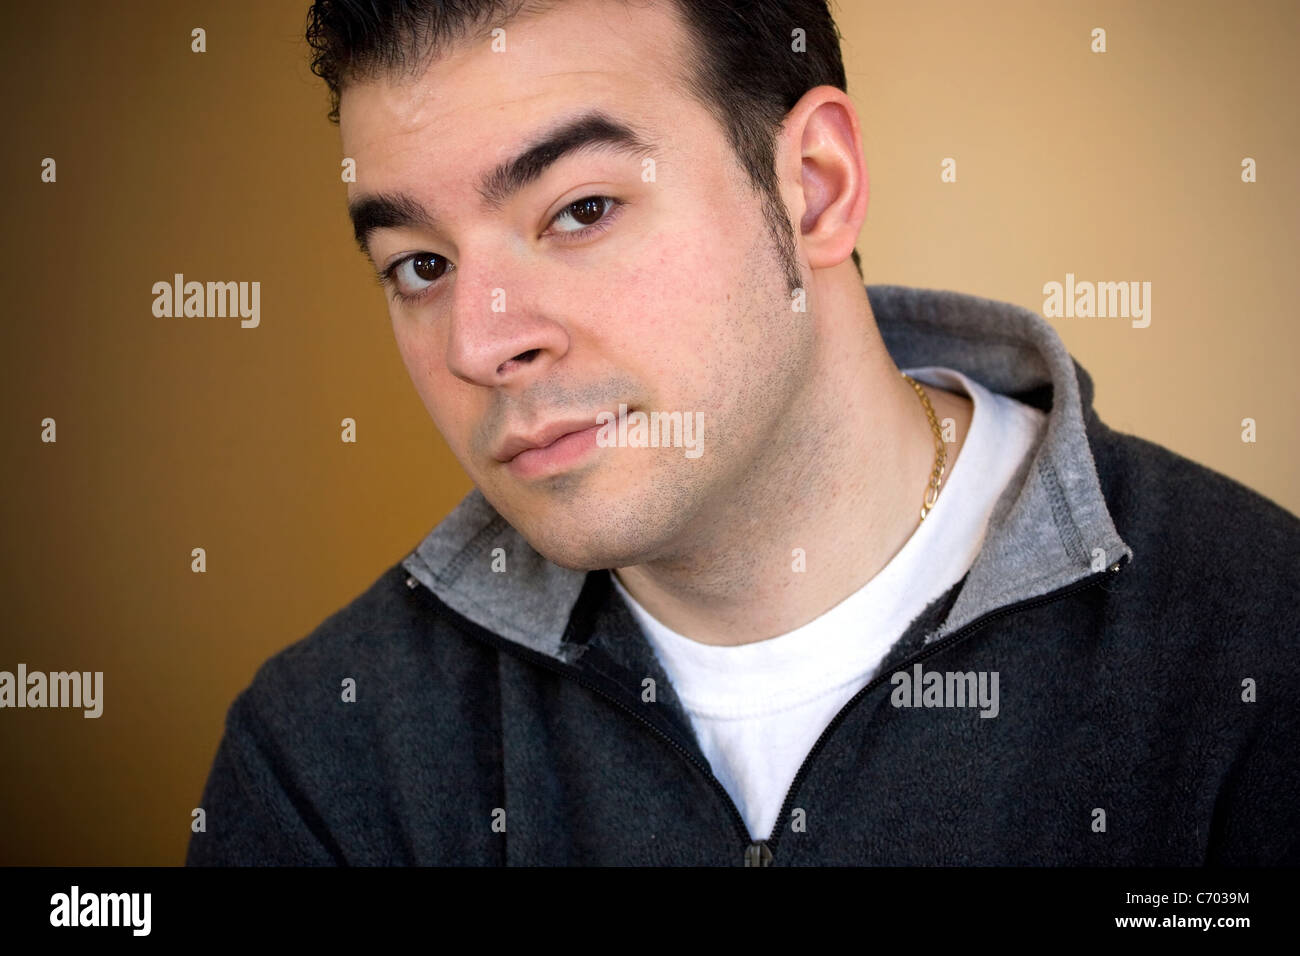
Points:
[(376, 717), (388, 658), (380, 634), (1200, 538)]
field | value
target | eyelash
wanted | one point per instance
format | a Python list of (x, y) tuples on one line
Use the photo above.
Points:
[(385, 276)]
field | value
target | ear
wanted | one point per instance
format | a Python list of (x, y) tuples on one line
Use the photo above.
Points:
[(823, 174)]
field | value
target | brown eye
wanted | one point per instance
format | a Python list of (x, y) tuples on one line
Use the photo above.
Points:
[(429, 267), (411, 278), (588, 211)]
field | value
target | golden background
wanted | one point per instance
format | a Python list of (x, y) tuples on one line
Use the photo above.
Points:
[(182, 433)]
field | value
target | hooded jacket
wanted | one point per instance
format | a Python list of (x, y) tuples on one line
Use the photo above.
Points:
[(1136, 608)]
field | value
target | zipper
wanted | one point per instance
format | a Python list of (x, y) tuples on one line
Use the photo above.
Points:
[(760, 852), (770, 844)]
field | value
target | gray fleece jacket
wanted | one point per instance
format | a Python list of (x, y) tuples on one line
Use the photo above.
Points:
[(1137, 609)]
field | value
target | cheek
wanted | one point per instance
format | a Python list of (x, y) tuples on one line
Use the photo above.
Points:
[(424, 363), (672, 299), (416, 356)]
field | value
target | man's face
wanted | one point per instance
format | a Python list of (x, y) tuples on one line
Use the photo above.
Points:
[(535, 311)]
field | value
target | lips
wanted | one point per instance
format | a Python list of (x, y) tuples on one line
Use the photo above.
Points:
[(543, 437)]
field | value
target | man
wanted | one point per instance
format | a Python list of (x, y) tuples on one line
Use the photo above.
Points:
[(732, 588)]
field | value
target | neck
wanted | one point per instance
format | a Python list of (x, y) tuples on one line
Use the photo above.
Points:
[(838, 496)]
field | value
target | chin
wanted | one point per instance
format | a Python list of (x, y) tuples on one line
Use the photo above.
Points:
[(571, 560), (583, 525), (585, 554), (586, 549)]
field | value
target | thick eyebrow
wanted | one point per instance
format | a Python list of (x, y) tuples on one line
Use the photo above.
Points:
[(385, 211), (592, 130)]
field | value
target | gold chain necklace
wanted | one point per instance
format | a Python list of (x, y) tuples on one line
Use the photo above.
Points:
[(940, 449)]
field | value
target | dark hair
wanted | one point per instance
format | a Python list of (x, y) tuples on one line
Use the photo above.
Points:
[(744, 66)]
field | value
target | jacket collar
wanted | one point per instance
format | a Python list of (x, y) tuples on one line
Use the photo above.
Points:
[(1050, 528)]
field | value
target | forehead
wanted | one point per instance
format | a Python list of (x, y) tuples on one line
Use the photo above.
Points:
[(477, 102)]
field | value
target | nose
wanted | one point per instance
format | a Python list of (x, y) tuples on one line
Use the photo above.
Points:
[(500, 334)]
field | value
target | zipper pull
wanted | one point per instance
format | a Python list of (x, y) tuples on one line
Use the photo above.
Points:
[(758, 854)]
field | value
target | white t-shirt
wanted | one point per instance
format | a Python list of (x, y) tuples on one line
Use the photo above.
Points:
[(758, 708)]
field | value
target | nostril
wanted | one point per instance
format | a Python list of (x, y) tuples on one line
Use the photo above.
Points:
[(522, 357)]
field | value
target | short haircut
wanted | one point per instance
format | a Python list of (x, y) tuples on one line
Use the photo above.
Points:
[(750, 62)]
